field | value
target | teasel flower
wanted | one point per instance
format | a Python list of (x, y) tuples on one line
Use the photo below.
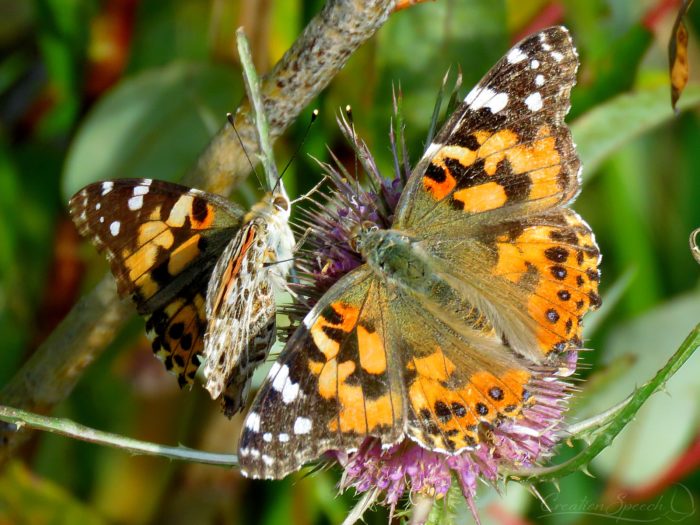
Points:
[(386, 475)]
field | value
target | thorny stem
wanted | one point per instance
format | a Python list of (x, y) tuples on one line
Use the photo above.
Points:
[(615, 426), (65, 427)]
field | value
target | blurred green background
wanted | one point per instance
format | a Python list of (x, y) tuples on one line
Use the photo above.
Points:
[(96, 89)]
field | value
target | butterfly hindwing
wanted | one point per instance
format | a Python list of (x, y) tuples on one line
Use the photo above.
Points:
[(332, 386), (241, 314)]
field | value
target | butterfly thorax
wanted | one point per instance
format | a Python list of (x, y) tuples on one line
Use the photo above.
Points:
[(397, 257)]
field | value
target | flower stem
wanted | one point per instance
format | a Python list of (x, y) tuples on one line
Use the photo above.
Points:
[(66, 427)]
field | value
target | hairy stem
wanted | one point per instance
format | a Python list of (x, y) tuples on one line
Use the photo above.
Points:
[(65, 427)]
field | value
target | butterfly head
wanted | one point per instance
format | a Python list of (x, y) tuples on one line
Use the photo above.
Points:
[(274, 207)]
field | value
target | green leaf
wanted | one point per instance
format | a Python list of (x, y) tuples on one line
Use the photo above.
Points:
[(168, 31), (63, 34), (152, 125), (606, 128)]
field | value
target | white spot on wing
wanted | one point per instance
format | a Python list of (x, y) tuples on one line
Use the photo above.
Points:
[(135, 203), (283, 437), (543, 41), (497, 103), (539, 80), (141, 190), (267, 437), (102, 220), (479, 97), (98, 205), (273, 370), (432, 150), (516, 55), (252, 422), (114, 228), (107, 187), (556, 55), (290, 392), (281, 375), (302, 425), (534, 101), (535, 64), (267, 460)]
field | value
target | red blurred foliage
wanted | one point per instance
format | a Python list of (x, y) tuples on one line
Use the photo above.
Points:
[(63, 282), (110, 42)]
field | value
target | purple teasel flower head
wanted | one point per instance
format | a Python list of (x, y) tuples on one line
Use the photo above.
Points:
[(406, 468)]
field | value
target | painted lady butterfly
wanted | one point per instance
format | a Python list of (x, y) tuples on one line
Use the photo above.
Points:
[(484, 275), (198, 267)]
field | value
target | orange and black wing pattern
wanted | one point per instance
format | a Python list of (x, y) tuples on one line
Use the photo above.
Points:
[(162, 241)]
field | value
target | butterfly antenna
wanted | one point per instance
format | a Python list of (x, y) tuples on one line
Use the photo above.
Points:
[(314, 116), (348, 114), (231, 120)]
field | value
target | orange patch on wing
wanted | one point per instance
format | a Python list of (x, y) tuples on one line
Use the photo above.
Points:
[(361, 415), (545, 183), (356, 413), (183, 255), (206, 221), (348, 319), (371, 350), (233, 268), (434, 366), (150, 230), (180, 211), (440, 190), (147, 287), (155, 214), (497, 143), (483, 197), (144, 258), (332, 376)]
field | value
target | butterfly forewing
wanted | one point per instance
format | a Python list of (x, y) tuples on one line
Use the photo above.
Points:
[(156, 235), (506, 150)]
